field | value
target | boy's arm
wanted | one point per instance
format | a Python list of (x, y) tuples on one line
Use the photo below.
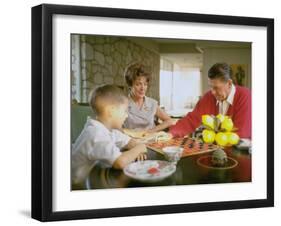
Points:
[(131, 144), (123, 141), (129, 156)]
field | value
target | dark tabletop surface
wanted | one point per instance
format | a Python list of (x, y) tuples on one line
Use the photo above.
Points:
[(188, 172)]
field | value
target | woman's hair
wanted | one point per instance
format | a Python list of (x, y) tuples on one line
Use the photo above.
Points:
[(134, 71), (220, 71), (106, 95)]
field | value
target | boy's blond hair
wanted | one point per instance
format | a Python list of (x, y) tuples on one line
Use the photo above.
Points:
[(106, 95)]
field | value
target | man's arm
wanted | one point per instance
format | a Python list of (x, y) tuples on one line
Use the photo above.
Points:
[(190, 122), (243, 116)]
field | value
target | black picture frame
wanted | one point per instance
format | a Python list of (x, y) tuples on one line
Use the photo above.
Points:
[(42, 107)]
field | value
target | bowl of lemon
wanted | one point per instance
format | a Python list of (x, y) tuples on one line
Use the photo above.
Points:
[(218, 129)]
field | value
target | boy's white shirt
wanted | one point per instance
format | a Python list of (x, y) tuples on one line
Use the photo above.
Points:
[(95, 144)]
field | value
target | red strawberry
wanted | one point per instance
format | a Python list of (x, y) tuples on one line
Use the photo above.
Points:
[(153, 170)]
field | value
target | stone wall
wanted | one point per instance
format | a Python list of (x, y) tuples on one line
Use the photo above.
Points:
[(104, 59), (75, 68)]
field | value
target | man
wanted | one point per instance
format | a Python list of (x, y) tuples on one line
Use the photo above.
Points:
[(224, 98)]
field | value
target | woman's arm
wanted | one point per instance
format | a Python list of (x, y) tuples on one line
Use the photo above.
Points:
[(166, 121)]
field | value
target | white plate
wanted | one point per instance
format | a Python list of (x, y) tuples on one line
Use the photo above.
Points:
[(149, 170), (244, 144)]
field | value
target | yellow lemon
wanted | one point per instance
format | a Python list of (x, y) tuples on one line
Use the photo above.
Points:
[(221, 117), (208, 120), (227, 124), (221, 139), (233, 138), (208, 136)]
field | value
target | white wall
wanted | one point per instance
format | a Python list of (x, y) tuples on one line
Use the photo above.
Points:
[(187, 87), (15, 117), (229, 56)]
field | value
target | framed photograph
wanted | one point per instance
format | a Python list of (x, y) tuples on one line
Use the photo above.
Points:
[(140, 112), (240, 74)]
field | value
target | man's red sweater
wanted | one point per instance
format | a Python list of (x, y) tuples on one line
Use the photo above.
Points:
[(240, 111)]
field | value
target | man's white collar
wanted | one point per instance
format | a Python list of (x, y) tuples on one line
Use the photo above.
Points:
[(230, 97)]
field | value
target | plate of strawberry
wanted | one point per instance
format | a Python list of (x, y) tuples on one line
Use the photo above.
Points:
[(149, 170)]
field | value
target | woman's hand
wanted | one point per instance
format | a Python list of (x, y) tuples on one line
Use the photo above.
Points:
[(148, 132)]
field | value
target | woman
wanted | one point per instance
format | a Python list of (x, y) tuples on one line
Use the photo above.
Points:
[(143, 110)]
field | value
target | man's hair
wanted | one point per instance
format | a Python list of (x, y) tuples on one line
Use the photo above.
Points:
[(220, 71), (134, 71), (106, 95)]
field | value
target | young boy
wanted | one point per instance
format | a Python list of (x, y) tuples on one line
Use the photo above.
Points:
[(101, 140)]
